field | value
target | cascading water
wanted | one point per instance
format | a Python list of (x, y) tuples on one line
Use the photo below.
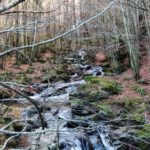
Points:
[(73, 130)]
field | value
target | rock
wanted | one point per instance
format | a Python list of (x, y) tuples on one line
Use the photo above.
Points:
[(63, 98), (71, 89), (134, 142), (13, 143), (28, 113), (35, 123), (91, 70), (97, 117), (66, 137), (106, 84), (83, 142), (74, 141), (96, 142), (19, 126), (65, 113), (82, 54), (100, 58), (47, 92), (4, 93), (74, 124), (44, 141), (61, 85), (77, 110)]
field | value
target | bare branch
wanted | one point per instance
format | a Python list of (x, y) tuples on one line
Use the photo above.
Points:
[(32, 101), (59, 36), (10, 5), (32, 11)]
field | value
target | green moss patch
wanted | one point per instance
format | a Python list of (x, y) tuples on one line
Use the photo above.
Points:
[(144, 132), (107, 109), (104, 84), (138, 89), (55, 74), (131, 108), (6, 76), (23, 79)]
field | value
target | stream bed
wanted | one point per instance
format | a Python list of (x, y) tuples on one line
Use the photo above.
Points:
[(74, 112), (70, 126), (73, 126)]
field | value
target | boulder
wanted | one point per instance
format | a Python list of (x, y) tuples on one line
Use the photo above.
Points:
[(19, 126)]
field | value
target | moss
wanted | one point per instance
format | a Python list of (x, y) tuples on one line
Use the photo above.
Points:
[(106, 84), (144, 132), (137, 117), (91, 89), (6, 75), (127, 103), (131, 108), (76, 101), (138, 89), (143, 145), (49, 74), (55, 74), (23, 79), (105, 108)]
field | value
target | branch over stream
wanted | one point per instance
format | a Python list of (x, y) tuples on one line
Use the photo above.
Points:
[(32, 101)]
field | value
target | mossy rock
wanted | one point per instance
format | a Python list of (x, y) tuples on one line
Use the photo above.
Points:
[(50, 75), (55, 74), (106, 84), (144, 135), (107, 109), (144, 132), (138, 117), (4, 93), (131, 108)]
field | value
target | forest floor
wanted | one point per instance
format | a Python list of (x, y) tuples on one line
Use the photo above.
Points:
[(131, 89), (128, 83), (37, 71)]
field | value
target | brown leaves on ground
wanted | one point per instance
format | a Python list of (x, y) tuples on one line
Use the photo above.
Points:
[(33, 71), (127, 81)]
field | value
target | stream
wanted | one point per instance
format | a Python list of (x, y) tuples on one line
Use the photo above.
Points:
[(74, 127)]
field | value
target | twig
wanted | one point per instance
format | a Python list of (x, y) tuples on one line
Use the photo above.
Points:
[(32, 11), (6, 142), (10, 5)]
